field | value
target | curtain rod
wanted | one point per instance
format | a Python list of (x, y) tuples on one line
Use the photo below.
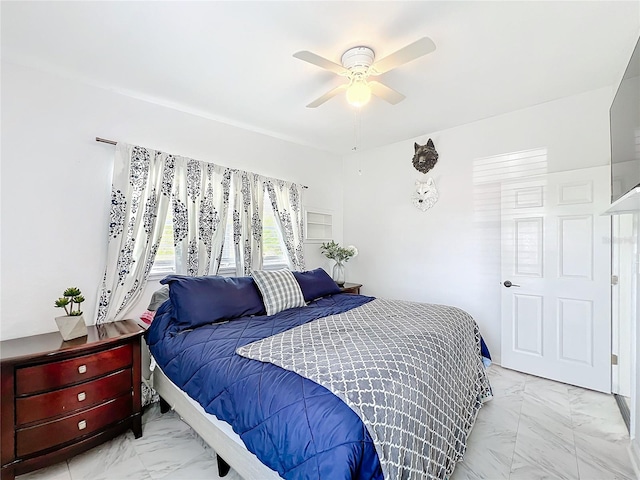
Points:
[(112, 142)]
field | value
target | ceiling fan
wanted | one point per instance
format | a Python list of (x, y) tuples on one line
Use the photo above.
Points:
[(358, 64)]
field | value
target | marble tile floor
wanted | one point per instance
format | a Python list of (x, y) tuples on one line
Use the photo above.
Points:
[(532, 429)]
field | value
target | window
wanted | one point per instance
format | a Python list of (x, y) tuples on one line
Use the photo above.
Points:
[(274, 253), (165, 262)]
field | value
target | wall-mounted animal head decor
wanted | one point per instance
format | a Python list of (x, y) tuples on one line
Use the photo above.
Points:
[(425, 157), (425, 195)]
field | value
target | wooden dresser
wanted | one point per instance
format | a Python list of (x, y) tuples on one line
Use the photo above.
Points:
[(62, 398)]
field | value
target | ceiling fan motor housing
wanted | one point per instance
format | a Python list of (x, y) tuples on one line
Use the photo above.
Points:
[(358, 58)]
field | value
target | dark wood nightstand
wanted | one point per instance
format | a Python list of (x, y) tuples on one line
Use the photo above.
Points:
[(62, 398), (351, 288)]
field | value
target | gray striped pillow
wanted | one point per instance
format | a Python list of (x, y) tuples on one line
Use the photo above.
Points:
[(279, 290)]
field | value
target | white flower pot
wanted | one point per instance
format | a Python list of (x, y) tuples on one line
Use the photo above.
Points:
[(71, 326)]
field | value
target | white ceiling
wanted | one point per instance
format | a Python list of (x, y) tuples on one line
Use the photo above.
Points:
[(232, 61)]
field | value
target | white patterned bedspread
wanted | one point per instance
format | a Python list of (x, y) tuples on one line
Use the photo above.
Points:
[(411, 371)]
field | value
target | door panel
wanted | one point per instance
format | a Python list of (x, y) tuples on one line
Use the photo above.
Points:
[(527, 324), (576, 246), (556, 252), (528, 243), (575, 330), (575, 193)]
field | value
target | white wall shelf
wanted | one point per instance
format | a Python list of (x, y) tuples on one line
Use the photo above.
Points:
[(318, 226)]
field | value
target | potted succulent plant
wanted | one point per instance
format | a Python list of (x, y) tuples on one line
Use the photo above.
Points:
[(72, 324)]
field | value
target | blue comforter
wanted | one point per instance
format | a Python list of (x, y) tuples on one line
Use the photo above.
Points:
[(292, 424)]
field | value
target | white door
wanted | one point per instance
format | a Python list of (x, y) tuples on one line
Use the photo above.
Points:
[(556, 315)]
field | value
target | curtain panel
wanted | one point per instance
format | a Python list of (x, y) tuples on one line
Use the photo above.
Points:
[(140, 199), (247, 221), (147, 184), (199, 206), (285, 199)]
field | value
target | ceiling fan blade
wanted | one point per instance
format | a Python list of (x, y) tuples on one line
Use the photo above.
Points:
[(404, 55), (319, 61), (330, 94), (389, 94)]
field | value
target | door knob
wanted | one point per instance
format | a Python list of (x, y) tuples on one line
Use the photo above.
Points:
[(507, 283)]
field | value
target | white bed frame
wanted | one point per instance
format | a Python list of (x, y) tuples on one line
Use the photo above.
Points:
[(218, 434)]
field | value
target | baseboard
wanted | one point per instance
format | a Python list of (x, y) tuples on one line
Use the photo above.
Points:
[(624, 410), (634, 453)]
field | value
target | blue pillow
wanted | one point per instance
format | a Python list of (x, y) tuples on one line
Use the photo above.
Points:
[(315, 284), (201, 300)]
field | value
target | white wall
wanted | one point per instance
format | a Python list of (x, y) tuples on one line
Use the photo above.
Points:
[(56, 183), (451, 253)]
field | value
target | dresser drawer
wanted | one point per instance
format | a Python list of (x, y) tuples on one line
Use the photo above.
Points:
[(66, 400), (34, 439), (66, 372)]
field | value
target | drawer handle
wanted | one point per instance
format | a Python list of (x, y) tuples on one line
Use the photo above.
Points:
[(82, 424), (82, 396), (82, 369)]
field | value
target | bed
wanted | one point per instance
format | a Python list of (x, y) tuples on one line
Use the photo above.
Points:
[(308, 382)]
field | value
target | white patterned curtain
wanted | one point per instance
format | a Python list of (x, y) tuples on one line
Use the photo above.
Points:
[(147, 183), (200, 206), (140, 198), (285, 199), (248, 193)]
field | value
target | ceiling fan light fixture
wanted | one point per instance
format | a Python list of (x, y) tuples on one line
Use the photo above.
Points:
[(359, 64), (358, 93)]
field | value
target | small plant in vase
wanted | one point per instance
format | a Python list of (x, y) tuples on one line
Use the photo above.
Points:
[(72, 324), (340, 255)]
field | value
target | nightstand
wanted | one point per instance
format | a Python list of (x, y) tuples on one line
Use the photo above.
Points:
[(351, 288), (63, 398)]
